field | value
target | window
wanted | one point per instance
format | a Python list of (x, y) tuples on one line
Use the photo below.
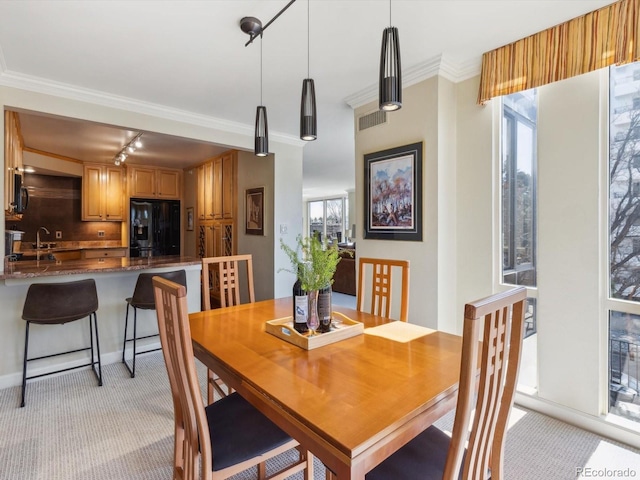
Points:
[(519, 188), (518, 222), (624, 241), (328, 218)]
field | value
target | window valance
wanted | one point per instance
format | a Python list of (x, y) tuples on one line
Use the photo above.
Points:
[(609, 35)]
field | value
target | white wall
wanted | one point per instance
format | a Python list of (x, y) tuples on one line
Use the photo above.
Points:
[(416, 121), (569, 295)]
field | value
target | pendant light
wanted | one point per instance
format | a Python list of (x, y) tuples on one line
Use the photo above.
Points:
[(390, 82), (261, 148), (308, 116)]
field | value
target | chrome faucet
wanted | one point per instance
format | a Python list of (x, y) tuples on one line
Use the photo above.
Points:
[(38, 244)]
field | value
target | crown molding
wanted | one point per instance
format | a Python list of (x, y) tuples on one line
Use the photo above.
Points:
[(72, 92), (439, 65)]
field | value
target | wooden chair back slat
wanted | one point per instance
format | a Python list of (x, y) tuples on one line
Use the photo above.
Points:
[(381, 286)]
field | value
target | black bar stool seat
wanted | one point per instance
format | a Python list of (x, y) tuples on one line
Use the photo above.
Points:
[(57, 304), (143, 299)]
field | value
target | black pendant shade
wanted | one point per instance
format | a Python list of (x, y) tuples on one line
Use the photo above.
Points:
[(390, 85), (308, 116), (262, 133)]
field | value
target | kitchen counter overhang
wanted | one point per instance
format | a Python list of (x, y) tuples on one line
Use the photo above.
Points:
[(44, 268)]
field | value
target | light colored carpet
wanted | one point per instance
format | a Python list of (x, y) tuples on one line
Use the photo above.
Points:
[(71, 429)]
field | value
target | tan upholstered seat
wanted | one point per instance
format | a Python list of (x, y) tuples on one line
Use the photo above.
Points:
[(221, 282), (143, 299), (379, 286), (226, 437), (433, 454), (56, 304)]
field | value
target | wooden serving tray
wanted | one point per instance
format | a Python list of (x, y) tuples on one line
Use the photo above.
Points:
[(345, 328)]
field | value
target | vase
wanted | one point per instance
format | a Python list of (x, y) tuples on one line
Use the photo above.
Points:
[(313, 320)]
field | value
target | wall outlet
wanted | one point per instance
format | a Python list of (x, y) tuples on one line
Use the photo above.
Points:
[(58, 234), (283, 229), (101, 233)]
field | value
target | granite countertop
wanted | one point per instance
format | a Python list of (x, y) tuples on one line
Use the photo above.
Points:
[(42, 268)]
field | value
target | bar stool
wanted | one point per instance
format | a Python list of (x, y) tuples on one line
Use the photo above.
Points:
[(143, 299), (57, 304)]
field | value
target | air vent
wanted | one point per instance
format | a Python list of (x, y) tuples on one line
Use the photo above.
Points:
[(372, 119)]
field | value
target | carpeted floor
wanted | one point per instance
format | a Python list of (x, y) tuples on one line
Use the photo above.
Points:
[(71, 429)]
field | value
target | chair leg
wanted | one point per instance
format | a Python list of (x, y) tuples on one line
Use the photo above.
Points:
[(135, 336), (99, 372), (126, 326), (24, 365), (132, 367)]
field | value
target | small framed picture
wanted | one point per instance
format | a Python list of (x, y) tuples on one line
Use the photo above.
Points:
[(254, 211), (189, 218)]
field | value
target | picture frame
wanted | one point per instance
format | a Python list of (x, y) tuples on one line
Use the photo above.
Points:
[(393, 194), (189, 218), (254, 211)]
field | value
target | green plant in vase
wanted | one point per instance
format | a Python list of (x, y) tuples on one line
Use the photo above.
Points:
[(314, 263)]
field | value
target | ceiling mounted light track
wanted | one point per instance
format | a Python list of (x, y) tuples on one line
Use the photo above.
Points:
[(390, 80), (128, 149)]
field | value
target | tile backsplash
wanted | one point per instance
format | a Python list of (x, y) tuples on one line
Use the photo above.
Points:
[(55, 203)]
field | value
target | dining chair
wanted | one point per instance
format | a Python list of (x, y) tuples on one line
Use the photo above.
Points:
[(433, 454), (58, 304), (221, 281), (229, 435), (381, 286), (142, 299)]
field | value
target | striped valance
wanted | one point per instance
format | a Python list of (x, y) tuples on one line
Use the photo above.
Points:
[(609, 35)]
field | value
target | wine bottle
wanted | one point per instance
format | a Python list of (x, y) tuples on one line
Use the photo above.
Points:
[(300, 307), (324, 309)]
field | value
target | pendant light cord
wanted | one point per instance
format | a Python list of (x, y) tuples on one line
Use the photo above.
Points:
[(308, 38), (260, 68), (390, 23)]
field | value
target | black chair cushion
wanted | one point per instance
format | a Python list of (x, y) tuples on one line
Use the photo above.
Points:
[(239, 431), (55, 303), (422, 458), (143, 292)]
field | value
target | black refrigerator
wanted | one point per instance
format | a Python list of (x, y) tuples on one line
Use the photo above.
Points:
[(154, 227)]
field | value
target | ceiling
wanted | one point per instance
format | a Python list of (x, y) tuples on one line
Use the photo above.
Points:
[(187, 59)]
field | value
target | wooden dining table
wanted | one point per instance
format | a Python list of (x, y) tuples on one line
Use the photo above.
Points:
[(351, 403)]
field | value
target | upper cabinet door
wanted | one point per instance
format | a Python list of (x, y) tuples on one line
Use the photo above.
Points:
[(102, 193), (229, 185), (168, 182), (143, 182), (155, 183)]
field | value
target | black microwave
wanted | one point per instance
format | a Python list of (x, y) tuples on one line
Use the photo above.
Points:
[(20, 195)]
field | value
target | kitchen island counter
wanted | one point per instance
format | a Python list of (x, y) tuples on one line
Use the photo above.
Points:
[(44, 267)]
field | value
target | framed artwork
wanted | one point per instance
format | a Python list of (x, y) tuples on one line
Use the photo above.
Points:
[(254, 211), (393, 194), (189, 218)]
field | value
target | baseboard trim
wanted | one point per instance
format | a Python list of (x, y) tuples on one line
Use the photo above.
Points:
[(598, 425)]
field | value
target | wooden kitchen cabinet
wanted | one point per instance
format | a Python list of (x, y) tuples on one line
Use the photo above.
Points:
[(102, 193), (104, 253), (219, 239), (155, 183), (205, 191), (12, 160), (224, 186)]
